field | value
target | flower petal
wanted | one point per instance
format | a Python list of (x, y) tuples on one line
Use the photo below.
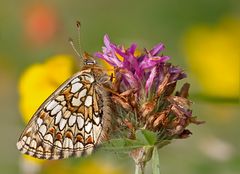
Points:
[(128, 58), (152, 61), (176, 73), (150, 79), (132, 49), (156, 49), (129, 78), (109, 53), (106, 41), (111, 60)]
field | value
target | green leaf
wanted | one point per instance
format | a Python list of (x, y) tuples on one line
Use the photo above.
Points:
[(155, 161), (143, 138), (162, 143), (121, 145), (146, 137)]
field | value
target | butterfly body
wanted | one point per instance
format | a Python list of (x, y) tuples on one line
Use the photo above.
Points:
[(73, 120)]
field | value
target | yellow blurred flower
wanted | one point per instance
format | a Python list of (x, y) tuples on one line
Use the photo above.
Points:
[(213, 55), (85, 166), (99, 167), (40, 80), (37, 83)]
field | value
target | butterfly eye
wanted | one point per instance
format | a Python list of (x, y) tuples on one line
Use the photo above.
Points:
[(90, 61)]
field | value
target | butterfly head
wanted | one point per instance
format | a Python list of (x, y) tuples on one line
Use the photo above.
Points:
[(88, 60)]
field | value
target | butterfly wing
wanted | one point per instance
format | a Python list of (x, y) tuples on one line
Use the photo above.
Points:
[(71, 122)]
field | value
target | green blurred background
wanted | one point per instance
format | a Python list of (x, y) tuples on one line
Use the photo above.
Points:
[(32, 31)]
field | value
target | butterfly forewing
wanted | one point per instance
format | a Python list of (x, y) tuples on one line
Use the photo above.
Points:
[(71, 122)]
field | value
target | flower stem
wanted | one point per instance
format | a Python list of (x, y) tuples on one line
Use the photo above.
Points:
[(141, 156), (139, 168)]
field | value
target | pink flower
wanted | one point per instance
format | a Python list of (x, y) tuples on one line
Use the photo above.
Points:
[(145, 70)]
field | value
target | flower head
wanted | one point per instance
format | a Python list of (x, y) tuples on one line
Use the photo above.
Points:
[(135, 70), (144, 92)]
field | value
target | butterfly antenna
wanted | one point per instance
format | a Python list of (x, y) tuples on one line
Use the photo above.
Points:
[(73, 47), (79, 37), (79, 53)]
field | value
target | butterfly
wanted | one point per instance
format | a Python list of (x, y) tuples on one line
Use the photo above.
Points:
[(73, 120)]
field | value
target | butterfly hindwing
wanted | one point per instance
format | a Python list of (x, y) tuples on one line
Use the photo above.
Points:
[(70, 122)]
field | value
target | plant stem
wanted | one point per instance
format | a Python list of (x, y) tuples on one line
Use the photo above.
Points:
[(139, 168), (141, 156)]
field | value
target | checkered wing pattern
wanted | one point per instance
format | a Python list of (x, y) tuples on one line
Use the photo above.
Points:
[(71, 122)]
